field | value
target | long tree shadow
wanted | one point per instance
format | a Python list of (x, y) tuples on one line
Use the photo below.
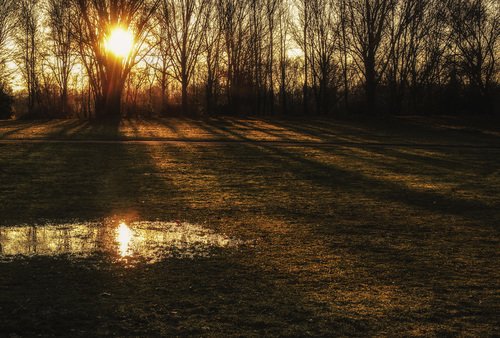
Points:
[(385, 131), (429, 254), (37, 128), (67, 181), (229, 294), (330, 175), (241, 293), (384, 259)]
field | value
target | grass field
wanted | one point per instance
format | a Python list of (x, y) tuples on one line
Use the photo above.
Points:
[(385, 227)]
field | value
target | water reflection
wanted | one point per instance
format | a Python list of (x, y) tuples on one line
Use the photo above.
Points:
[(123, 237), (145, 241)]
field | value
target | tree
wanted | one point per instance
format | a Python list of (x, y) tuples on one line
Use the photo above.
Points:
[(161, 61), (343, 18), (257, 50), (406, 21), (475, 37), (369, 29), (323, 42), (60, 15), (107, 72), (185, 23), (233, 19), (28, 42), (271, 10), (301, 36), (212, 41), (284, 20), (251, 56), (7, 29)]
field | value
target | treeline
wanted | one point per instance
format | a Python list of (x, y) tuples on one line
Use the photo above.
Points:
[(250, 56)]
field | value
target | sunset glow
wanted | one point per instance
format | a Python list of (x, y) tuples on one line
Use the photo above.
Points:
[(120, 42)]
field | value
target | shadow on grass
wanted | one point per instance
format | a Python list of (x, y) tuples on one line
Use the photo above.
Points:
[(363, 219), (16, 129), (431, 244), (407, 130), (337, 178), (229, 294), (178, 297)]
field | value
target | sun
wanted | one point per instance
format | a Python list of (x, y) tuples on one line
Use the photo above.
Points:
[(120, 42)]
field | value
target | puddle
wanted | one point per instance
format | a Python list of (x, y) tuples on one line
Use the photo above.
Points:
[(125, 242)]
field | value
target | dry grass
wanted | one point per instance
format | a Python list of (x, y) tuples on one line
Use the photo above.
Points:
[(349, 239)]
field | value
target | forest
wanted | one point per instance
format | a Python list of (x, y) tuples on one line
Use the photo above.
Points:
[(256, 57)]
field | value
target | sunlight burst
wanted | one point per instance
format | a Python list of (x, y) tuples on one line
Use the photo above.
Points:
[(120, 42)]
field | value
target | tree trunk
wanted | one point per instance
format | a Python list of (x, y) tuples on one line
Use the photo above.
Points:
[(370, 95), (108, 106), (344, 52), (306, 66), (208, 98), (113, 104), (370, 84), (64, 102), (184, 97), (164, 99)]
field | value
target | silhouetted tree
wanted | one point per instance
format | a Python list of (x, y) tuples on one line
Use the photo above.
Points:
[(369, 29), (475, 39), (212, 40), (28, 50), (7, 28), (233, 19), (323, 43), (284, 22), (60, 14), (185, 23), (107, 73)]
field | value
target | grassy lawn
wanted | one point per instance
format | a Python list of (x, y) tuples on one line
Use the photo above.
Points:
[(347, 237)]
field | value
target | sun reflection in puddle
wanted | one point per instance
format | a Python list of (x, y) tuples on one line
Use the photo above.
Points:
[(142, 241), (123, 237)]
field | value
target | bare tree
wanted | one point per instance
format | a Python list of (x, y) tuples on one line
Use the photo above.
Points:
[(301, 36), (233, 18), (185, 24), (284, 23), (271, 10), (160, 60), (475, 35), (429, 43), (254, 56), (108, 73), (27, 41), (323, 42), (368, 26), (256, 42), (59, 20), (7, 28), (344, 42), (405, 22), (213, 42)]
